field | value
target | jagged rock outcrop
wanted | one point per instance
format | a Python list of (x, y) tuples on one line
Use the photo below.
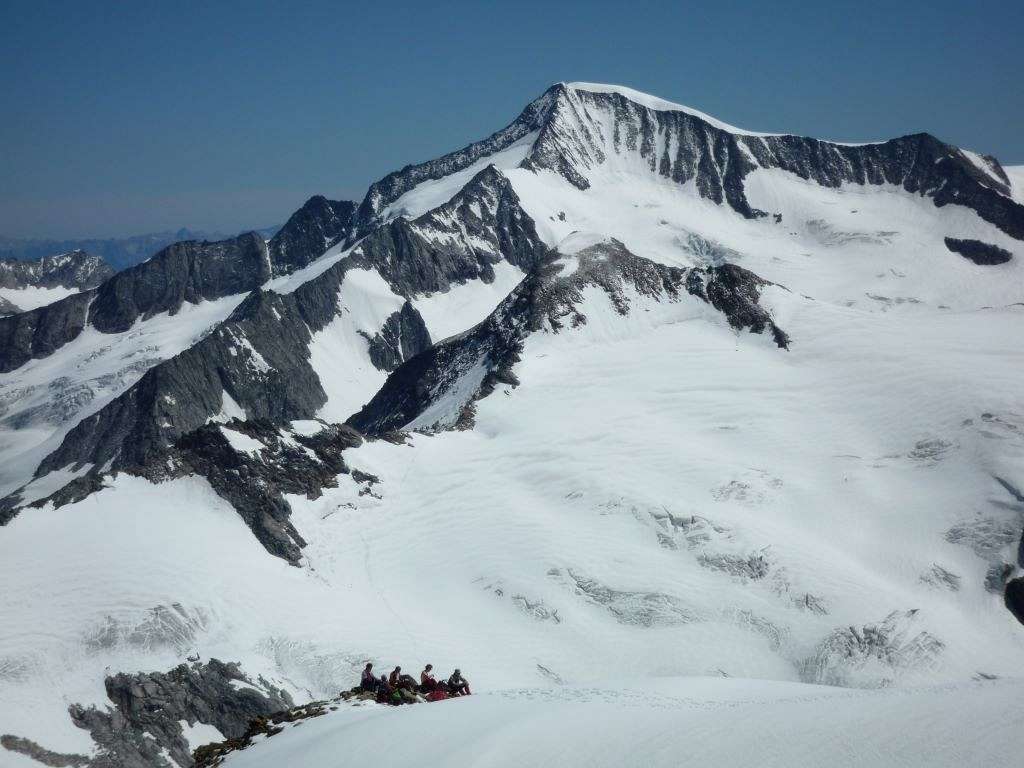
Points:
[(190, 271), (437, 388), (254, 481), (183, 272), (404, 335), (75, 269), (734, 291), (41, 332), (258, 358), (394, 185), (143, 727), (984, 254), (578, 128), (311, 230), (584, 126), (1013, 596), (461, 240)]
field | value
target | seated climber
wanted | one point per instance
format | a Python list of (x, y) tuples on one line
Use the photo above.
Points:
[(394, 677), (458, 685), (385, 693), (369, 681), (427, 681)]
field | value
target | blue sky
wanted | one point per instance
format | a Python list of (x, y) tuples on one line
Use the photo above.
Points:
[(126, 118)]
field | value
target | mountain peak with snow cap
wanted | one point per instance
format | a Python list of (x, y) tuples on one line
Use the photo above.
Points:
[(591, 133), (619, 386)]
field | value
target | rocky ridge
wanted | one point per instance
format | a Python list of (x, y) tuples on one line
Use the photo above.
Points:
[(189, 271), (74, 269), (142, 728), (469, 366)]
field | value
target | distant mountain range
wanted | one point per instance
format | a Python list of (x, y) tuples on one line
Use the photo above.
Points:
[(119, 252)]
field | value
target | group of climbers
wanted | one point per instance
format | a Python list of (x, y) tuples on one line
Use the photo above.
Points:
[(398, 688)]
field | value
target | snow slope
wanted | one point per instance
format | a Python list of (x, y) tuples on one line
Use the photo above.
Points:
[(339, 353), (430, 194), (669, 722), (32, 296), (725, 510), (661, 105)]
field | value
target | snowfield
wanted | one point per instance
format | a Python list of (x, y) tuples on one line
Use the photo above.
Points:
[(33, 296), (669, 722), (671, 542)]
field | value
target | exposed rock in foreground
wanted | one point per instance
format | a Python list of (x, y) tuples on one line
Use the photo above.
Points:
[(143, 727), (211, 755)]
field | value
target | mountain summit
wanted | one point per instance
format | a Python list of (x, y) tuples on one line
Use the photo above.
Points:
[(619, 387)]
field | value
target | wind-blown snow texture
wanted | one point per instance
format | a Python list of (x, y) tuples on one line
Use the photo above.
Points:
[(640, 395)]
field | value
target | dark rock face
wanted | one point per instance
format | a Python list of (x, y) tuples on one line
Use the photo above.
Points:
[(40, 332), (148, 707), (75, 269), (311, 230), (573, 141), (734, 292), (420, 381), (458, 241), (255, 483), (1013, 596), (981, 253), (545, 300), (147, 711), (403, 336), (394, 185), (7, 308), (189, 271), (258, 357), (570, 141)]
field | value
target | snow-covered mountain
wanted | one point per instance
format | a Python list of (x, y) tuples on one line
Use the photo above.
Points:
[(29, 284), (619, 391)]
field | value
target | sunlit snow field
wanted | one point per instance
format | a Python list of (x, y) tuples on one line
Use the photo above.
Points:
[(662, 505)]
